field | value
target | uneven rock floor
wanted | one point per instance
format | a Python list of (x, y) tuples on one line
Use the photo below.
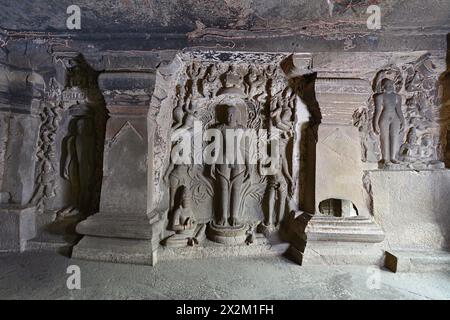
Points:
[(42, 275)]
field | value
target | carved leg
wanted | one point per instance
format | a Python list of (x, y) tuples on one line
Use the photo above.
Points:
[(235, 196), (271, 212), (394, 137), (385, 140), (224, 199), (174, 184), (172, 192), (281, 208)]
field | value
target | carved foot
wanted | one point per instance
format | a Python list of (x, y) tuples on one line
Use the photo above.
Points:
[(233, 221)]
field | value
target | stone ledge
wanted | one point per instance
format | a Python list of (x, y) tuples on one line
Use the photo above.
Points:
[(116, 250), (357, 229), (208, 249), (417, 260), (337, 253)]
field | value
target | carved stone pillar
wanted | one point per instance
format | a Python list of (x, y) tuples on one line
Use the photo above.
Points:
[(19, 103), (122, 231), (338, 167)]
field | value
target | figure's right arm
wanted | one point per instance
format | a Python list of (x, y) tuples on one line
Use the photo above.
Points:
[(377, 113)]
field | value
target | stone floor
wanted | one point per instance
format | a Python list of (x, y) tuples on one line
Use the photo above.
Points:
[(42, 275)]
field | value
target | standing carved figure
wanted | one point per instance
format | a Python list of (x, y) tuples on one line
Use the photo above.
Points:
[(182, 171), (229, 176), (280, 183), (78, 165), (179, 173), (388, 120)]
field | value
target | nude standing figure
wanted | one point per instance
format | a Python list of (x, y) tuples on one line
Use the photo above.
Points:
[(388, 121)]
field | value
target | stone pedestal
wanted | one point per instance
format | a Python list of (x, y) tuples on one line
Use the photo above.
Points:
[(330, 240), (126, 243), (17, 226), (226, 234), (116, 250)]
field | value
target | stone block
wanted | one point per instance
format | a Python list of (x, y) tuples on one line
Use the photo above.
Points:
[(5, 197), (294, 254), (342, 253), (417, 260), (17, 226), (116, 250), (356, 229)]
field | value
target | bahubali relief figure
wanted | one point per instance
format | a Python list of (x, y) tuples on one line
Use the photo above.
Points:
[(389, 121), (229, 174)]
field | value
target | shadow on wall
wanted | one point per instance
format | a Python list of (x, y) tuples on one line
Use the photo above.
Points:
[(305, 87), (445, 82)]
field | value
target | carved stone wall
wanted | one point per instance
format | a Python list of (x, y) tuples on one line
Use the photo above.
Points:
[(91, 136)]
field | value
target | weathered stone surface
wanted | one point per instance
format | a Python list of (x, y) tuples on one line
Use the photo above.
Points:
[(412, 207)]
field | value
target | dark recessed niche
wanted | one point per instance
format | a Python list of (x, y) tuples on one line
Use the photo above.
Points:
[(338, 208)]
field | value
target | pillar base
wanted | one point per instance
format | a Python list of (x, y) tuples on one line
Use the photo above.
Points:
[(120, 238)]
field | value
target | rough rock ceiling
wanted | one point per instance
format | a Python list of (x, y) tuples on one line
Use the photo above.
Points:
[(183, 16), (254, 25)]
